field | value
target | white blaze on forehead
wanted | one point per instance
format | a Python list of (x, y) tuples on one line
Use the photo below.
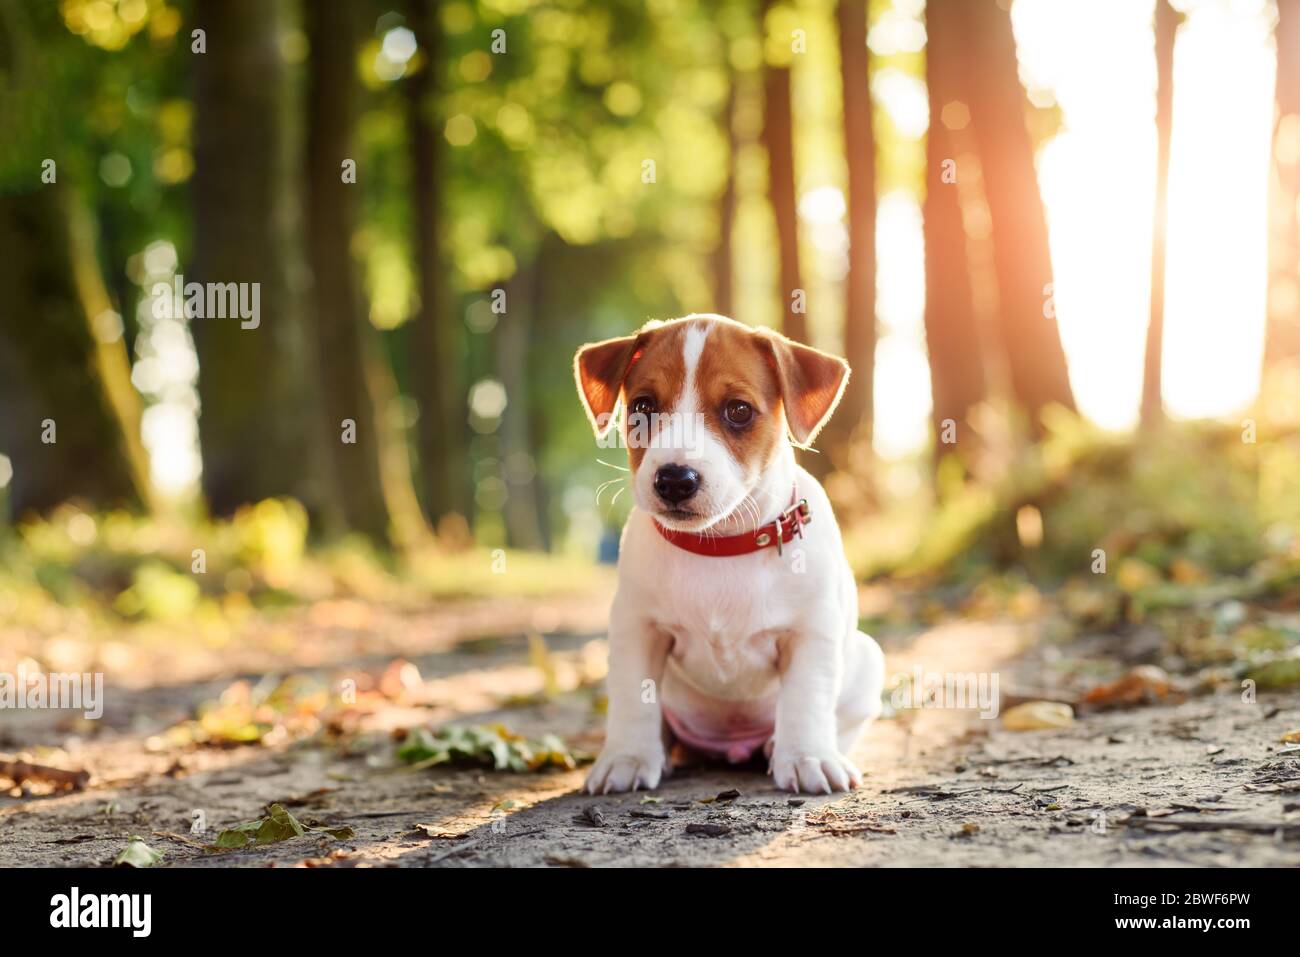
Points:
[(687, 438), (692, 349)]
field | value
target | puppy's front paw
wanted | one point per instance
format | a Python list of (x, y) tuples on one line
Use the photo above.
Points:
[(626, 769), (813, 770)]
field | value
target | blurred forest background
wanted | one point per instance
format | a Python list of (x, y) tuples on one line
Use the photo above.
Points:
[(1056, 239)]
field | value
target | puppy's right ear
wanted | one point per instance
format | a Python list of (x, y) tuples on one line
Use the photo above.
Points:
[(599, 369)]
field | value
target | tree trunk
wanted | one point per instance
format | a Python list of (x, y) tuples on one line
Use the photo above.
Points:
[(1021, 257), (252, 444), (1283, 338), (952, 333), (723, 296), (518, 453), (852, 421), (343, 335), (436, 373), (68, 420), (1166, 28), (778, 140)]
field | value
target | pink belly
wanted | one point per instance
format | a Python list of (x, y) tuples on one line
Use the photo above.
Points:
[(737, 742)]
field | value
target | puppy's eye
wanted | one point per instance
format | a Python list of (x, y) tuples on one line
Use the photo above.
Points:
[(643, 405), (738, 412)]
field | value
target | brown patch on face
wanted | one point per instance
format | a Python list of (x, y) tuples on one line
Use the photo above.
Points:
[(658, 372), (736, 365)]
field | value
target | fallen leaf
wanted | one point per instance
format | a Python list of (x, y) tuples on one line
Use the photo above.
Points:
[(1291, 737), (1141, 685), (278, 825), (1038, 715), (271, 710), (399, 678), (495, 746), (137, 854)]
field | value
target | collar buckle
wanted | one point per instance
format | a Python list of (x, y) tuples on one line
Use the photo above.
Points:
[(796, 516)]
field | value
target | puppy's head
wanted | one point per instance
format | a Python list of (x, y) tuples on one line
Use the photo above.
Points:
[(709, 405)]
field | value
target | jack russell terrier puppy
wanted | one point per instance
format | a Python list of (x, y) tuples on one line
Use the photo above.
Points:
[(735, 624)]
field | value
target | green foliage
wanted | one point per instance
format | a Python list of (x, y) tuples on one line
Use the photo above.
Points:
[(1177, 501), (278, 825), (493, 746), (95, 573), (266, 712)]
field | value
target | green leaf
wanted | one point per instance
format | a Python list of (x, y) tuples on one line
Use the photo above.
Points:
[(137, 854), (494, 746), (278, 825), (1278, 673)]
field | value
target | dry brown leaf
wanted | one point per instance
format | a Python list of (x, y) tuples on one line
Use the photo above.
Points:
[(1038, 715), (1141, 685)]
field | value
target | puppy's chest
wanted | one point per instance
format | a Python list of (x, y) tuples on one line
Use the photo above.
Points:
[(725, 637)]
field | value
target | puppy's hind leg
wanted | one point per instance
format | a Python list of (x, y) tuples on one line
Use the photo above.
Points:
[(864, 679)]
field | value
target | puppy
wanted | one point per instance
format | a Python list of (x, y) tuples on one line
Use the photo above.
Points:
[(735, 623)]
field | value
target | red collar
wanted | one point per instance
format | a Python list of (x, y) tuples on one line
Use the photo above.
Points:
[(777, 532)]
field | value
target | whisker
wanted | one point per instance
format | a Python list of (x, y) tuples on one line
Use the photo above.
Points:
[(605, 485), (613, 466)]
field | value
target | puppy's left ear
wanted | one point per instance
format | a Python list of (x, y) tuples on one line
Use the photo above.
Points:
[(599, 369), (812, 383)]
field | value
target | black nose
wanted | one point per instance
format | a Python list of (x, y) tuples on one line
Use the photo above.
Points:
[(676, 483)]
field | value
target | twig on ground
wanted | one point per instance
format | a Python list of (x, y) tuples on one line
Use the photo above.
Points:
[(183, 840), (1033, 761), (1169, 826), (21, 771)]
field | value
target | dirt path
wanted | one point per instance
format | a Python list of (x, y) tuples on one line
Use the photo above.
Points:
[(1204, 781)]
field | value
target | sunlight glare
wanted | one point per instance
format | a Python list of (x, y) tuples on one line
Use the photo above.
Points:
[(1218, 209)]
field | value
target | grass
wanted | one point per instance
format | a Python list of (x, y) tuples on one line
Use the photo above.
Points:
[(117, 569)]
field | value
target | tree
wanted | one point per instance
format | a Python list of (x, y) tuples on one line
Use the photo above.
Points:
[(344, 343), (251, 432), (952, 334), (70, 417), (852, 420), (514, 339), (778, 141), (1026, 325), (435, 333), (1283, 338), (1166, 28), (722, 255)]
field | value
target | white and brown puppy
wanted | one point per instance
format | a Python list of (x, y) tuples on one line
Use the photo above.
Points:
[(735, 624)]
